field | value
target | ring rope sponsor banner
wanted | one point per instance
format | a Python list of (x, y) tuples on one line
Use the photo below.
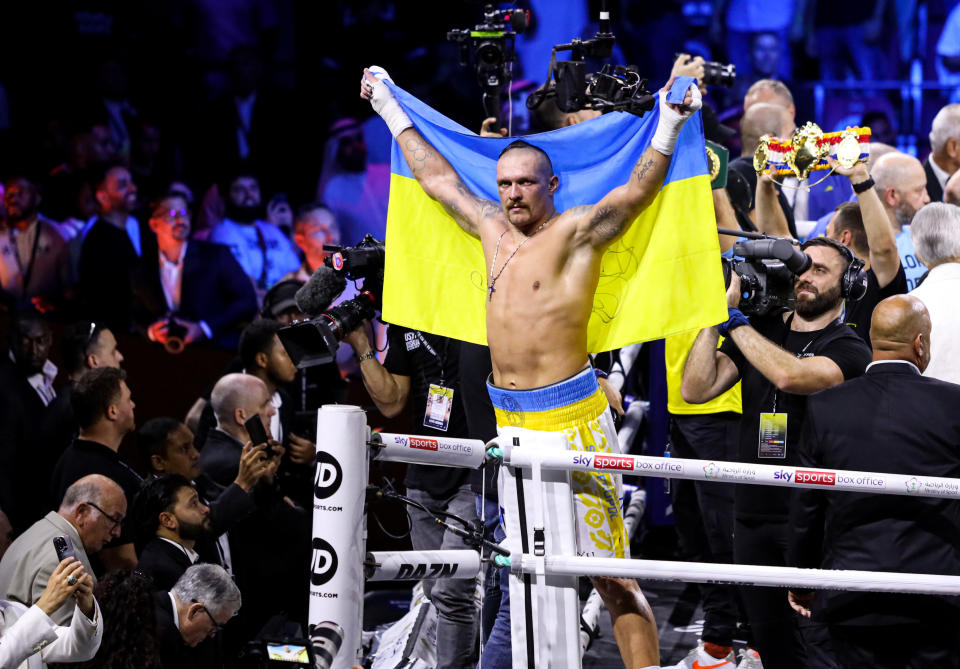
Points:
[(742, 472), (428, 450), (419, 565), (704, 572)]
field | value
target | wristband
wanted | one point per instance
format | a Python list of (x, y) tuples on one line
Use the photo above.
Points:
[(599, 373), (863, 186), (735, 320), (366, 356), (386, 105), (668, 128)]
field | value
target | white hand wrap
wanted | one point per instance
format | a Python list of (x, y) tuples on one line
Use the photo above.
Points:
[(668, 129), (386, 105)]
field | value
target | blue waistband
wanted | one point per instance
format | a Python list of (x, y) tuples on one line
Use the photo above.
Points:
[(580, 386)]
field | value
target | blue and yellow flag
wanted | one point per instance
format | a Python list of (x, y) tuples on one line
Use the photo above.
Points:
[(661, 277)]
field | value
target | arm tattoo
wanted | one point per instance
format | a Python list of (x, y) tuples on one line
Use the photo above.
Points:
[(607, 223), (641, 168), (418, 152), (485, 208)]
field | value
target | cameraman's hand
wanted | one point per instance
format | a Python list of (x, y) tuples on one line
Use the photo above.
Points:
[(58, 589), (358, 339), (487, 131), (254, 465), (302, 451), (733, 291), (684, 66)]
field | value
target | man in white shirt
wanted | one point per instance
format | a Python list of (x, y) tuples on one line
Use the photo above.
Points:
[(193, 289), (901, 183), (29, 638), (263, 251), (936, 237)]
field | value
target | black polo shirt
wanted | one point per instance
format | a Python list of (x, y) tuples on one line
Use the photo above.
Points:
[(859, 313), (837, 342), (429, 359), (83, 458)]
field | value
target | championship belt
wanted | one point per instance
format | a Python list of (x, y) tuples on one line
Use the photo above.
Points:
[(808, 149)]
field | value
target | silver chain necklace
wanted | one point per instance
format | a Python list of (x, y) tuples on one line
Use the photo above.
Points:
[(493, 279)]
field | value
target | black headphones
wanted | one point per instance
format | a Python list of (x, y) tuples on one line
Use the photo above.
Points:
[(853, 282)]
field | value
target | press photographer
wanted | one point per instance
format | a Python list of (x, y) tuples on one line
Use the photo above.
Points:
[(315, 341), (423, 370), (780, 356)]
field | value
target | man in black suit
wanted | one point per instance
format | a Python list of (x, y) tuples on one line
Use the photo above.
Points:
[(273, 576), (891, 419), (198, 285), (170, 520), (110, 252), (168, 446), (26, 388), (201, 602), (944, 158)]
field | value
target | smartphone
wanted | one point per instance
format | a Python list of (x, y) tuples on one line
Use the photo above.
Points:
[(258, 434), (64, 548)]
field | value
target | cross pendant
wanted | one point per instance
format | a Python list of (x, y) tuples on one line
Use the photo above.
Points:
[(490, 291)]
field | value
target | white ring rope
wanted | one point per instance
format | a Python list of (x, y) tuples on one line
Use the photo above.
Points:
[(745, 574), (741, 472)]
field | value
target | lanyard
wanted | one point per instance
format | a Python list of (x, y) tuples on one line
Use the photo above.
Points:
[(783, 342), (441, 360)]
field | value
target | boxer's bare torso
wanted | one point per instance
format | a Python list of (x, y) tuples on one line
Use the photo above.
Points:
[(545, 271)]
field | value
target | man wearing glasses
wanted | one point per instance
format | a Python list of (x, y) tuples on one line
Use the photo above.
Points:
[(201, 602), (103, 408), (192, 289), (90, 515)]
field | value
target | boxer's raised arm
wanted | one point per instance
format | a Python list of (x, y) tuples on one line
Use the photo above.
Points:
[(605, 221), (434, 173)]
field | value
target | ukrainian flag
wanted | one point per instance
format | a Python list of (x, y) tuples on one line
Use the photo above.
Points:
[(661, 277)]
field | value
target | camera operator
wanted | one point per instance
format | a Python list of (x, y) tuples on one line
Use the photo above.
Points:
[(779, 358), (864, 228), (424, 370)]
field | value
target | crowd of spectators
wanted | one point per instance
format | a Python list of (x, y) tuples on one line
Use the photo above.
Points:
[(136, 226)]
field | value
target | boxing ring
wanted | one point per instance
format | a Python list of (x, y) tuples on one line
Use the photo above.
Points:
[(538, 513)]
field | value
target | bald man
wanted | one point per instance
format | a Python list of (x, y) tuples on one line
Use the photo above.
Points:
[(901, 183), (89, 516), (272, 575), (894, 420), (235, 399)]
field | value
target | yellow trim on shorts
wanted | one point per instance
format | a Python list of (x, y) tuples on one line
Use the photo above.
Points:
[(557, 419)]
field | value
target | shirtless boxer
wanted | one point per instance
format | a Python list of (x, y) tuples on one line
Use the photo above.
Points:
[(543, 267)]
